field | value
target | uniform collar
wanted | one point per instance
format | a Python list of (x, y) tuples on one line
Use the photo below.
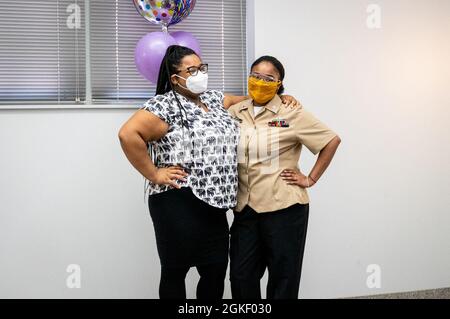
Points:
[(273, 105)]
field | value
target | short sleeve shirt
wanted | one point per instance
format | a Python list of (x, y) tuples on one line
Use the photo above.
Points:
[(204, 143), (270, 142)]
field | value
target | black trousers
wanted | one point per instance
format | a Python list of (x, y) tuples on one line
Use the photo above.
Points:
[(189, 233), (275, 241), (209, 287)]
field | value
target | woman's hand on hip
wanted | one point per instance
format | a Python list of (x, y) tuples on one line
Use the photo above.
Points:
[(169, 176), (293, 177)]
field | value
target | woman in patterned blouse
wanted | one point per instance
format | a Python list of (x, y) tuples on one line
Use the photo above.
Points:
[(192, 171)]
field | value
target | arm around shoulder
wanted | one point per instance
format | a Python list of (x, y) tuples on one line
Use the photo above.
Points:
[(230, 100)]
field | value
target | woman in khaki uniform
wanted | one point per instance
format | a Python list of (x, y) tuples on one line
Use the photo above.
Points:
[(271, 216)]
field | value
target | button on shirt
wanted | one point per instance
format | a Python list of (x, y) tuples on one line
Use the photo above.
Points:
[(270, 142)]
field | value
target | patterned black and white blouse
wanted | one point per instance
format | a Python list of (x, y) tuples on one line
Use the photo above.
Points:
[(204, 143)]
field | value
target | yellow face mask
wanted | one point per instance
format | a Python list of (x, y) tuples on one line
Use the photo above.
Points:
[(261, 91)]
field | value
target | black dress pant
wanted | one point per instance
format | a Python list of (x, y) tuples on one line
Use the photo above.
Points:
[(275, 241), (209, 287), (189, 233)]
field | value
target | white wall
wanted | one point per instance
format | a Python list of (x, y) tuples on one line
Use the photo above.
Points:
[(69, 196), (385, 199)]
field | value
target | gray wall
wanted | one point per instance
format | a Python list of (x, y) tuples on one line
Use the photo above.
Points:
[(69, 196)]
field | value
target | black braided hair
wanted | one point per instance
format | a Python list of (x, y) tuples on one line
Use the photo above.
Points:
[(169, 66)]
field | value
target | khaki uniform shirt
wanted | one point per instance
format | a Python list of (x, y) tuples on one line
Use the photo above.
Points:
[(269, 143)]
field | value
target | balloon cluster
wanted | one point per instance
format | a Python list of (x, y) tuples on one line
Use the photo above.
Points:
[(151, 49)]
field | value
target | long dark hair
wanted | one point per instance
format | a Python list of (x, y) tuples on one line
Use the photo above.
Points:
[(169, 66), (277, 65)]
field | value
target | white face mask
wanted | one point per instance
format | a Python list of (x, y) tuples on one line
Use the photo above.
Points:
[(196, 84)]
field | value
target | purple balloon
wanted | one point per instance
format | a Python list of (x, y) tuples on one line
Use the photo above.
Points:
[(150, 52), (186, 39)]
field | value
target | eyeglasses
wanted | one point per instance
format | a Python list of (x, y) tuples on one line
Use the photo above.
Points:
[(193, 70), (265, 78)]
